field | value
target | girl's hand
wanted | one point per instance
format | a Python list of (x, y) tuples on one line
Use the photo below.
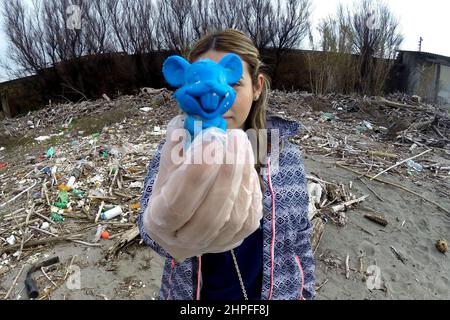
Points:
[(207, 198)]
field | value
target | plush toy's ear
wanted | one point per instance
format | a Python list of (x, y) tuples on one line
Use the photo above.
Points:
[(233, 66), (174, 69)]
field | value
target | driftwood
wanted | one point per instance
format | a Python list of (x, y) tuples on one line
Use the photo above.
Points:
[(16, 197), (124, 240), (362, 229), (399, 163), (36, 243), (347, 268), (99, 212), (370, 189), (377, 219), (320, 286), (361, 263), (14, 282), (113, 180), (394, 185), (345, 205), (387, 103), (318, 230), (398, 255)]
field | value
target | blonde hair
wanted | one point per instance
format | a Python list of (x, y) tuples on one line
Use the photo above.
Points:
[(235, 41)]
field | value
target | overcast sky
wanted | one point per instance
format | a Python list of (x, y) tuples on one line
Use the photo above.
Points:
[(428, 19)]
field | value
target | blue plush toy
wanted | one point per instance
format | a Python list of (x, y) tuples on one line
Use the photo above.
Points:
[(205, 93)]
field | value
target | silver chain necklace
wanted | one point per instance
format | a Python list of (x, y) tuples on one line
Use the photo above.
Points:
[(239, 275)]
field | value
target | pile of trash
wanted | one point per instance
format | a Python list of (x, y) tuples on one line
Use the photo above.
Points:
[(84, 187), (53, 117), (371, 134)]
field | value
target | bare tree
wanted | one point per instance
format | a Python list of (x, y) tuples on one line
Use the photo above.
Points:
[(175, 24), (375, 34), (22, 31), (201, 17), (290, 24), (42, 36), (369, 31), (99, 26), (257, 22), (329, 35), (133, 25), (227, 14)]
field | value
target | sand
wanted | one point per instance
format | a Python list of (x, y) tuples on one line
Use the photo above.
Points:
[(137, 271)]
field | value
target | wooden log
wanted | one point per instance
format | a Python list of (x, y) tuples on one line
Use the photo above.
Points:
[(377, 219), (345, 205)]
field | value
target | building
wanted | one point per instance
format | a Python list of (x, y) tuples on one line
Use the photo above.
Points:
[(426, 75)]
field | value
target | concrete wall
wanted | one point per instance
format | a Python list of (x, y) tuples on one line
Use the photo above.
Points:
[(428, 76), (444, 86)]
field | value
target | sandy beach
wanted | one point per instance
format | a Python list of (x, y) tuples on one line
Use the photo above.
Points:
[(374, 270)]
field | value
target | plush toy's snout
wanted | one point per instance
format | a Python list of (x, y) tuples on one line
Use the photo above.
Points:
[(205, 91)]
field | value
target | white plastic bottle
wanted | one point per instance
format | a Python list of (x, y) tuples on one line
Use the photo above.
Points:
[(111, 214)]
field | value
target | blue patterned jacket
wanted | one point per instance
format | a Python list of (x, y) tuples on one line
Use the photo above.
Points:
[(288, 259)]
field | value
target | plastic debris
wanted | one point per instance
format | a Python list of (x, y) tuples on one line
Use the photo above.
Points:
[(50, 152), (137, 185), (71, 182), (45, 225), (111, 214), (60, 205), (63, 197), (368, 125), (105, 235), (78, 193), (99, 232), (11, 240), (57, 217), (135, 206), (63, 187), (326, 116), (414, 167), (42, 138)]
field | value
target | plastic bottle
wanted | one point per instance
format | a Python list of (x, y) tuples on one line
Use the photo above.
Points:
[(414, 166), (75, 174), (71, 182), (111, 214)]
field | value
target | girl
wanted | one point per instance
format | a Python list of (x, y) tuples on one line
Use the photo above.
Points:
[(275, 261)]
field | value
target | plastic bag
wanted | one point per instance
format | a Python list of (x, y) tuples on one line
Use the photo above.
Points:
[(206, 197)]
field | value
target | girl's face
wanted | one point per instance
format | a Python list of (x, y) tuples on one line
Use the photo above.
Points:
[(246, 93)]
